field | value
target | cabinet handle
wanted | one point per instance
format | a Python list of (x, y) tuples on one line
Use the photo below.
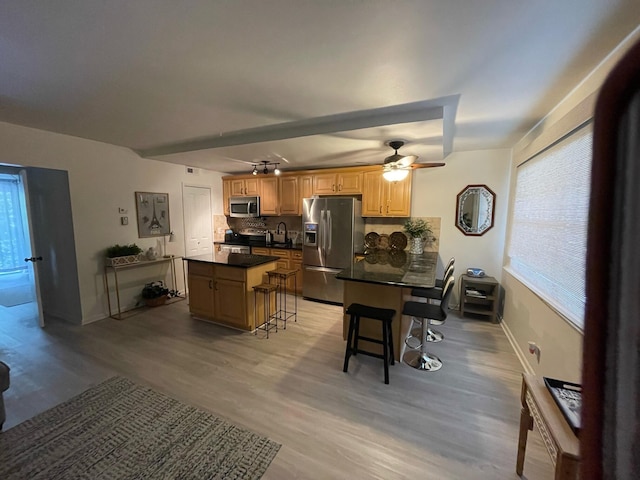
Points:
[(340, 187), (387, 208), (215, 286), (380, 208), (210, 284), (333, 187)]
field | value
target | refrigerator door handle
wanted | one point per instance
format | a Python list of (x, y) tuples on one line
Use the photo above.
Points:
[(330, 230), (323, 269), (322, 234)]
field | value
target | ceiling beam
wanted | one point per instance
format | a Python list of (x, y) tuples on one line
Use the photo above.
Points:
[(342, 122)]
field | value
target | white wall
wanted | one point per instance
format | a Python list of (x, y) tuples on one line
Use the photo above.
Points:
[(434, 193), (526, 316), (103, 178)]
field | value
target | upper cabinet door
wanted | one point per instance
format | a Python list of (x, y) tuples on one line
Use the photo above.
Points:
[(350, 182), (237, 187), (252, 186), (290, 202), (372, 194), (399, 198), (324, 184), (269, 196)]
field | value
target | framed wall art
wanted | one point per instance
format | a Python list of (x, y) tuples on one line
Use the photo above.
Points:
[(152, 210)]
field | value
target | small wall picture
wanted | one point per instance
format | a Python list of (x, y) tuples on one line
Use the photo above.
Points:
[(153, 214)]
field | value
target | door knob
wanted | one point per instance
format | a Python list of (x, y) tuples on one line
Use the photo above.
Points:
[(33, 259)]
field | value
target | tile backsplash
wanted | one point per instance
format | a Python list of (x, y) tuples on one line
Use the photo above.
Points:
[(389, 225)]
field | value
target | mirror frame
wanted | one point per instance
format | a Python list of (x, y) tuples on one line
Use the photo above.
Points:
[(488, 221)]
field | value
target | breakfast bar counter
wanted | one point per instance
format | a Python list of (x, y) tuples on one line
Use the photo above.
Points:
[(384, 279), (221, 287)]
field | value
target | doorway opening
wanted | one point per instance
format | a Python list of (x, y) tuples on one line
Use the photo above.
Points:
[(18, 300)]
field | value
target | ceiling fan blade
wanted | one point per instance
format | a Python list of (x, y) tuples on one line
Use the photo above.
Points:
[(407, 160), (428, 165)]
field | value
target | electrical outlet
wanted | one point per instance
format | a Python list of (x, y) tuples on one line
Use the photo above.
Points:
[(122, 210), (124, 220)]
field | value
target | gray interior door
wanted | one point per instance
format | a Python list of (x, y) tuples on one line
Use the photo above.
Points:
[(54, 240)]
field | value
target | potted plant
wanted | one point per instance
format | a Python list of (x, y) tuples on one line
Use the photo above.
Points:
[(419, 230), (123, 254), (155, 294)]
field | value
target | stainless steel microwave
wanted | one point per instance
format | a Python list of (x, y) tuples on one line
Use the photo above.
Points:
[(244, 206)]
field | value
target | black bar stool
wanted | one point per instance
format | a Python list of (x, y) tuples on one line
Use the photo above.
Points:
[(270, 319), (385, 316), (426, 313)]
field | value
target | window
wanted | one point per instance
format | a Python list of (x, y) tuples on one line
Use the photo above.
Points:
[(13, 241), (548, 241)]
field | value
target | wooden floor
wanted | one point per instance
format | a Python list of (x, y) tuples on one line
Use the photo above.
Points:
[(458, 423)]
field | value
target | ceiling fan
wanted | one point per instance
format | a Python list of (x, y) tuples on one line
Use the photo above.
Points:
[(396, 167)]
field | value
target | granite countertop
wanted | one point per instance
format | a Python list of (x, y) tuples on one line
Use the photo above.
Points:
[(398, 268), (240, 260)]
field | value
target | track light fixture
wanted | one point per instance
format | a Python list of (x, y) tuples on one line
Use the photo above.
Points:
[(264, 164)]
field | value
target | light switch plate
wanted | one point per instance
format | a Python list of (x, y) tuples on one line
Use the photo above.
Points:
[(124, 220)]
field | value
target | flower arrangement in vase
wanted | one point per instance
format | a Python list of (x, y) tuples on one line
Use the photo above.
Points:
[(419, 230)]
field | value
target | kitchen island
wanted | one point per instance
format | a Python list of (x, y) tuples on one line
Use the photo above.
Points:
[(221, 287), (385, 279)]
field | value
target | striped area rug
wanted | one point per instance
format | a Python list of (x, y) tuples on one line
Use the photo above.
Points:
[(122, 430)]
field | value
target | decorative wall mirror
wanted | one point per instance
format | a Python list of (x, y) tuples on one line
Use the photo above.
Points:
[(475, 209)]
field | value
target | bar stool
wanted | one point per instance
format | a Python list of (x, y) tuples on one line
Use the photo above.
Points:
[(425, 313), (385, 315), (437, 314), (270, 319), (436, 292), (281, 276)]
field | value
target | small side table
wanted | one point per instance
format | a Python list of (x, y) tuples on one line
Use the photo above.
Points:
[(485, 302), (539, 409)]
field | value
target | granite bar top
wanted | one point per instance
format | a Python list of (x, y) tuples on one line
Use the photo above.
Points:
[(240, 260), (399, 269)]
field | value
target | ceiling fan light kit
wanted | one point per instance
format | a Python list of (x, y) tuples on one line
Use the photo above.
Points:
[(396, 167)]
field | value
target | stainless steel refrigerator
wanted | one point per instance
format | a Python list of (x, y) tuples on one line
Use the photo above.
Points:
[(333, 232)]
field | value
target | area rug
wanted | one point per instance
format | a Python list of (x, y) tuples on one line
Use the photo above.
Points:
[(122, 430)]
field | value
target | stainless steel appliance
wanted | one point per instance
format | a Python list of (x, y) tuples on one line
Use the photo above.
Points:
[(333, 232), (244, 207), (235, 248)]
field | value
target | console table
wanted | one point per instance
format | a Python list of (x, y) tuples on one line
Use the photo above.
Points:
[(539, 408), (119, 268)]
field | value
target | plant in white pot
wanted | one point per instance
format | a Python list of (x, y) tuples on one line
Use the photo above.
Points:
[(419, 232), (123, 254)]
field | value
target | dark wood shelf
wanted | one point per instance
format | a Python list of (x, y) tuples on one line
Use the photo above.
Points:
[(471, 304)]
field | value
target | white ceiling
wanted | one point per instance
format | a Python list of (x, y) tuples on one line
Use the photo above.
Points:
[(212, 80)]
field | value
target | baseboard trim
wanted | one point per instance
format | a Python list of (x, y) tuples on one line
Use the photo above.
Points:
[(519, 353)]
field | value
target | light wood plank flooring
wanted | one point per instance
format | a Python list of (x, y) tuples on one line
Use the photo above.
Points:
[(458, 423)]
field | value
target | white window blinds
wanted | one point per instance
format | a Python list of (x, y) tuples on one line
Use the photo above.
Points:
[(548, 242)]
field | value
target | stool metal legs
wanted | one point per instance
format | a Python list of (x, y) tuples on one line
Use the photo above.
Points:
[(421, 359)]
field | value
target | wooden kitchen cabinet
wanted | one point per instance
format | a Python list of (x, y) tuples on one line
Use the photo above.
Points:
[(226, 193), (289, 259), (337, 183), (224, 294), (245, 186), (305, 185), (230, 302), (201, 294), (269, 201), (381, 198), (290, 203)]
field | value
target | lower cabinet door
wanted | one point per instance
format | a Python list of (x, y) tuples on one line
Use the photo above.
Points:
[(230, 302), (201, 296)]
